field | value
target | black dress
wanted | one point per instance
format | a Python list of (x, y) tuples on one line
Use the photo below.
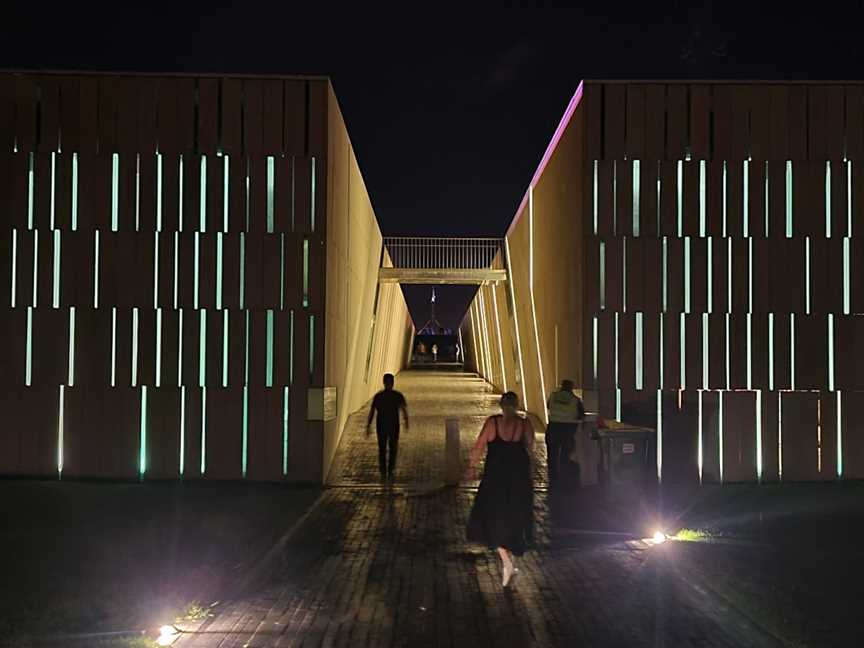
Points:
[(503, 511)]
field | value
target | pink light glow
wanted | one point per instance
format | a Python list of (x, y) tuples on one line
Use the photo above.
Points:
[(553, 143)]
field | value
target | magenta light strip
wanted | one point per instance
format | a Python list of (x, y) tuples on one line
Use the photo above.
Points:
[(553, 144)]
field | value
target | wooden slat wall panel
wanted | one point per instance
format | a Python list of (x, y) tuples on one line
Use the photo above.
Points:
[(739, 438), (635, 276), (719, 301), (680, 437), (295, 118), (714, 198), (676, 122), (605, 199), (852, 422), (614, 114), (717, 351), (624, 199), (854, 122), (272, 117), (690, 217), (827, 457), (224, 439), (635, 131), (779, 122), (671, 351), (652, 275), (614, 273), (317, 118), (700, 111), (655, 120), (163, 433), (817, 125), (626, 351), (799, 436), (835, 121), (797, 125), (605, 352), (769, 402), (738, 351), (698, 275), (723, 122), (651, 351), (265, 435), (693, 361), (649, 207), (760, 122), (756, 195), (777, 198), (811, 352), (710, 436), (674, 275)]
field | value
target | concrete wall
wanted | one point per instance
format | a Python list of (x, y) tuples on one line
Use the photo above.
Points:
[(697, 246), (359, 348)]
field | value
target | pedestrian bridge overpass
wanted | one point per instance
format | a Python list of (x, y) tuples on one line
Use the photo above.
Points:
[(428, 260)]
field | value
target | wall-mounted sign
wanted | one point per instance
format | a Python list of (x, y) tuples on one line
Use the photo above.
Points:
[(321, 404)]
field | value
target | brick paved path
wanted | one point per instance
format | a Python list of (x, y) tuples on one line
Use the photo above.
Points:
[(388, 566)]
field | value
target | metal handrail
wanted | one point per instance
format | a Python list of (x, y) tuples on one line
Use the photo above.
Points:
[(443, 253)]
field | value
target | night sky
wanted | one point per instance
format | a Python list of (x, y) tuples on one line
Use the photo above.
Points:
[(449, 107)]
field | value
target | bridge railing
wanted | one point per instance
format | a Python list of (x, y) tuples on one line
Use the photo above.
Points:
[(417, 252)]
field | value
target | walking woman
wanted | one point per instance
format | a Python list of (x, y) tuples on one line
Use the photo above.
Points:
[(502, 517)]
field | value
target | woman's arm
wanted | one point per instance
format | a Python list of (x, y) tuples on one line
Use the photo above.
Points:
[(480, 444)]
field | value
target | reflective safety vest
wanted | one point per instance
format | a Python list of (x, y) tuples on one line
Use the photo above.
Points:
[(565, 407)]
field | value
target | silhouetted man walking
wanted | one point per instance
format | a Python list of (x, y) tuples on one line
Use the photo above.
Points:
[(387, 403)]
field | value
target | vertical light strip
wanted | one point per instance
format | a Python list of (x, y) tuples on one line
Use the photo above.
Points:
[(180, 348), (53, 187), (158, 377), (807, 275), (177, 269), (788, 198), (596, 195), (134, 347), (71, 377), (662, 359), (142, 443), (683, 333), (746, 205), (847, 279), (728, 353), (602, 275), (839, 436), (699, 451), (28, 370), (57, 256), (780, 436), (197, 275), (114, 346), (680, 201), (271, 189), (202, 347), (305, 273), (268, 378), (831, 352), (35, 267), (486, 335), (30, 189), (617, 356), (710, 287), (219, 247), (225, 321), (624, 274), (720, 435), (314, 186), (749, 318), (182, 430), (159, 195), (203, 431), (244, 453), (771, 351), (155, 268), (792, 348), (180, 196), (512, 290), (729, 274), (657, 206), (827, 198), (533, 307), (636, 199), (60, 431), (13, 287), (848, 197), (665, 263), (725, 201), (74, 192), (702, 198), (498, 332), (750, 275), (687, 274), (286, 413), (115, 191), (225, 192), (639, 365), (595, 325), (759, 435), (246, 348), (704, 350), (202, 200), (659, 435)]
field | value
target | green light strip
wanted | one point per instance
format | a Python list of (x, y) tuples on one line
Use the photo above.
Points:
[(158, 347), (96, 270), (848, 197), (659, 435), (699, 442), (53, 185), (682, 330), (196, 283), (680, 201), (639, 366), (602, 275), (60, 431), (624, 274), (180, 196), (285, 427), (710, 275), (219, 245), (729, 275), (746, 206), (268, 381), (137, 192), (159, 193), (311, 347), (636, 193), (182, 430), (305, 273), (759, 436), (246, 351), (770, 352), (314, 189), (702, 198), (687, 274), (665, 274), (595, 327), (35, 267), (242, 270), (30, 190), (750, 275), (142, 456), (225, 175), (115, 191), (614, 197), (202, 348), (788, 198), (617, 404), (71, 377), (114, 346), (271, 190), (728, 354), (720, 436), (596, 195), (827, 199), (28, 370), (847, 288), (74, 192), (176, 269), (202, 224), (180, 349), (662, 360), (617, 381), (291, 348), (225, 321), (57, 257), (156, 269), (839, 435), (780, 436), (203, 431), (830, 351), (749, 317), (704, 350), (134, 347), (245, 451)]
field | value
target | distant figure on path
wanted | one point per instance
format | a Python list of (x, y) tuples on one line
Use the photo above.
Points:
[(387, 403), (502, 517), (565, 413), (434, 353)]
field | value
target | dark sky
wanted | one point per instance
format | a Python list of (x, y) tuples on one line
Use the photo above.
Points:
[(449, 106)]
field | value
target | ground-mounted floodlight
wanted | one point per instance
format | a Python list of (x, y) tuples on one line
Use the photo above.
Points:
[(658, 538), (168, 635)]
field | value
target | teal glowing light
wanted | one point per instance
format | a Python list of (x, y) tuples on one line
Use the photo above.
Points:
[(848, 197), (176, 270), (750, 275), (780, 437), (660, 434), (225, 175), (704, 350), (71, 378), (202, 348), (60, 431), (602, 275), (830, 351), (291, 347), (182, 465), (687, 274), (305, 273), (246, 350), (248, 194), (662, 360), (720, 435), (159, 193), (180, 349), (767, 194), (314, 190), (759, 435), (219, 247), (680, 200), (203, 430), (624, 275), (271, 190), (699, 441), (115, 191), (202, 222), (617, 355), (114, 346), (749, 317), (789, 198), (225, 321), (839, 436), (134, 347), (665, 263), (639, 366), (614, 197), (792, 348), (96, 270), (702, 198), (28, 369), (657, 206), (158, 376), (729, 274), (53, 185), (746, 205), (286, 412), (807, 275), (268, 382), (595, 326), (847, 279), (682, 329), (636, 193), (74, 192), (57, 256), (710, 287), (728, 353), (245, 451), (196, 275), (35, 267), (595, 195), (142, 452), (31, 180)]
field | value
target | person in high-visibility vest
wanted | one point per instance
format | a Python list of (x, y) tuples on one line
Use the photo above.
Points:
[(565, 413)]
